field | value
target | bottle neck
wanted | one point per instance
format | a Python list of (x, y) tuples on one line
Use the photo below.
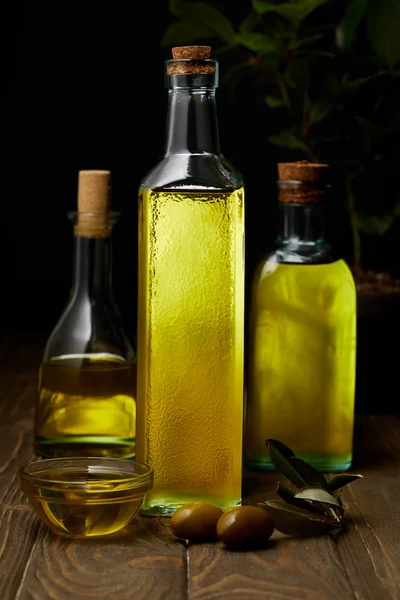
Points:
[(92, 272), (301, 223), (192, 125)]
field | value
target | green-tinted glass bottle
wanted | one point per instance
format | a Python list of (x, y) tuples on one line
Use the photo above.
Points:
[(302, 334)]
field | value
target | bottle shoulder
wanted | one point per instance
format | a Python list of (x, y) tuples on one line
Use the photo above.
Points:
[(271, 272), (321, 293), (87, 327), (186, 171)]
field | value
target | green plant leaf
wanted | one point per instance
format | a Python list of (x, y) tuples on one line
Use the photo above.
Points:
[(274, 102), (184, 32), (374, 225), (383, 27), (320, 109), (316, 494), (288, 10), (257, 42), (285, 9), (211, 18), (354, 85), (281, 457), (294, 521), (347, 28), (286, 138), (175, 7), (311, 475), (249, 23), (298, 72), (340, 480), (299, 43)]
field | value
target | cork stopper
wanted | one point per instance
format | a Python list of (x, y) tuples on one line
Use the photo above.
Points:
[(191, 52), (94, 199), (190, 60), (302, 170), (303, 182)]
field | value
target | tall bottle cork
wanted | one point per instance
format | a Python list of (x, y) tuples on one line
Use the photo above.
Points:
[(190, 60), (303, 182), (94, 201)]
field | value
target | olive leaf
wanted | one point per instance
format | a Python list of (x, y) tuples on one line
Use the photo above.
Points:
[(311, 475), (316, 494), (281, 457), (339, 481), (288, 496), (294, 521), (315, 508)]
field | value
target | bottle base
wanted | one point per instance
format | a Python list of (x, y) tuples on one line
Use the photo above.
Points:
[(167, 510), (320, 462), (96, 446)]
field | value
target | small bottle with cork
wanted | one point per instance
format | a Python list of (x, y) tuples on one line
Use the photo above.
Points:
[(302, 333), (86, 398)]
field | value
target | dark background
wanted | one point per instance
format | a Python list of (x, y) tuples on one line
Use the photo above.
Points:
[(83, 88), (82, 91)]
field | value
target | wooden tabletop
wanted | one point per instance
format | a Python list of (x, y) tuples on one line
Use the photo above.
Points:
[(146, 562)]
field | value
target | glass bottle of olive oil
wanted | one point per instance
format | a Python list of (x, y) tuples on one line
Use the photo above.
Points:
[(302, 334), (86, 400), (191, 301)]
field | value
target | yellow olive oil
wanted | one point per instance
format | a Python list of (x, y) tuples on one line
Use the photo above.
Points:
[(86, 406), (105, 504), (190, 346), (301, 371)]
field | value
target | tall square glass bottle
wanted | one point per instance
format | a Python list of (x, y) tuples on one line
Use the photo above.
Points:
[(191, 301)]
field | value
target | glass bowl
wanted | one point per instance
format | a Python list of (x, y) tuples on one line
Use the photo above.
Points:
[(85, 496)]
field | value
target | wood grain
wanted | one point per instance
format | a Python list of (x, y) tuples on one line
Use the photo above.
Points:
[(370, 550), (18, 532), (16, 432), (142, 563), (289, 568), (146, 562), (363, 563)]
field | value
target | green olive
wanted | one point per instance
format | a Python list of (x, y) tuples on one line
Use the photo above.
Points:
[(244, 526), (196, 521)]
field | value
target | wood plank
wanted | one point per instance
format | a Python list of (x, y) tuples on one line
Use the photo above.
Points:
[(363, 563), (370, 550), (18, 532), (16, 433), (141, 563), (289, 568), (145, 561)]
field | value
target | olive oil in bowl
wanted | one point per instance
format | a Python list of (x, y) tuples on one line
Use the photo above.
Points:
[(86, 497)]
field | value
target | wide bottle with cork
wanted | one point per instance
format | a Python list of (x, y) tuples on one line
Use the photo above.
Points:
[(302, 333), (191, 301), (86, 400)]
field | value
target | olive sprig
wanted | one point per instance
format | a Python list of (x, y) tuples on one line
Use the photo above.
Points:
[(315, 508)]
